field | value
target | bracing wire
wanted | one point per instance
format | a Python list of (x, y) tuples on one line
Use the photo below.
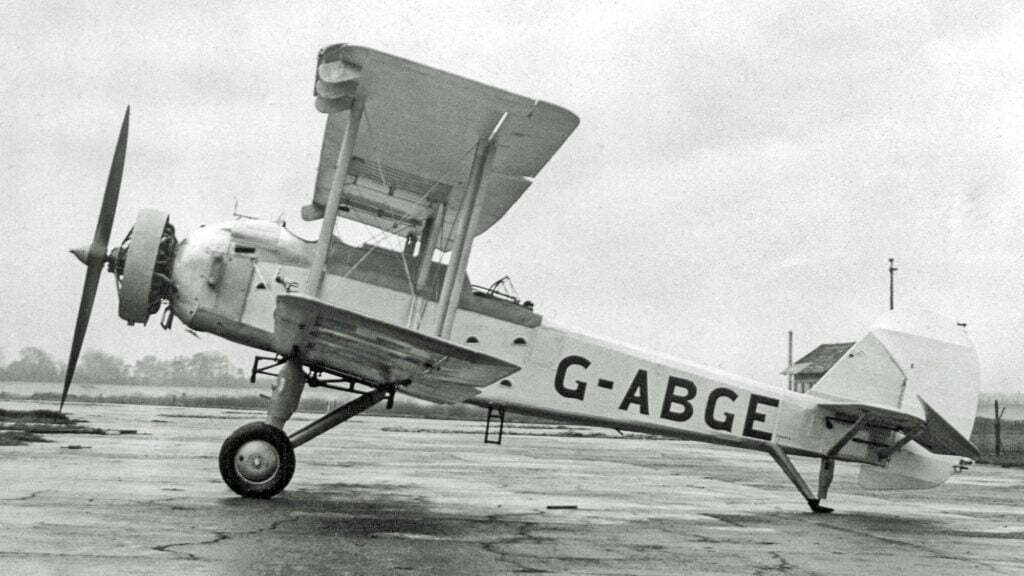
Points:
[(380, 234)]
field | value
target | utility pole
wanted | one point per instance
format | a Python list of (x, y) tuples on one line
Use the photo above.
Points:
[(892, 273), (790, 363), (998, 428)]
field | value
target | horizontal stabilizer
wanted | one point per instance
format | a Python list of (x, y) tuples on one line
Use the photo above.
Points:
[(932, 431), (380, 352), (876, 415)]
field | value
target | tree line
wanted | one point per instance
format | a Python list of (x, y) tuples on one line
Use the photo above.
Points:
[(97, 367)]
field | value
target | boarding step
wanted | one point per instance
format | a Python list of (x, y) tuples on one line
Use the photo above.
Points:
[(498, 413)]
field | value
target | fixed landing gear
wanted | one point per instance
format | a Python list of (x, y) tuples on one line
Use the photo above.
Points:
[(257, 460)]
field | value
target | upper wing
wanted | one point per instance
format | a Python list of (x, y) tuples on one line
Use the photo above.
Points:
[(415, 143), (380, 352)]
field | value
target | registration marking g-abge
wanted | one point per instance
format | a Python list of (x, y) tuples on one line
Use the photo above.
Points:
[(681, 400)]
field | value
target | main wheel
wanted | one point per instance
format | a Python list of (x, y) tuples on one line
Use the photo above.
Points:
[(257, 460)]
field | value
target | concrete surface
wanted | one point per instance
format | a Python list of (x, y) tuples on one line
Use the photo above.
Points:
[(395, 496)]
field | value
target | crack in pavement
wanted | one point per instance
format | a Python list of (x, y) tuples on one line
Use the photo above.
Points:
[(219, 536), (782, 565), (521, 535), (521, 559), (914, 545)]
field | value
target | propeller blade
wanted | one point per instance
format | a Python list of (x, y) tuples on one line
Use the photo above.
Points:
[(109, 208), (92, 280), (95, 256)]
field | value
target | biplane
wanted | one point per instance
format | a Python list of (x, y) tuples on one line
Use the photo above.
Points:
[(436, 159)]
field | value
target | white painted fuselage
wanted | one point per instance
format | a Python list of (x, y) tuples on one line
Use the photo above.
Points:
[(228, 277)]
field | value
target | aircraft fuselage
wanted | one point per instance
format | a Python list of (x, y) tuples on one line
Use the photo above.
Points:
[(228, 276)]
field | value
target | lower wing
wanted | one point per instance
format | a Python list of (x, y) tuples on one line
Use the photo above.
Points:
[(379, 352)]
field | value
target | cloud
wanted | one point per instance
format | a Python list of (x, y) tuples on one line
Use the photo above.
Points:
[(740, 169)]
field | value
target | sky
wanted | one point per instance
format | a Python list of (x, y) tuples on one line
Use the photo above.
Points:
[(740, 170)]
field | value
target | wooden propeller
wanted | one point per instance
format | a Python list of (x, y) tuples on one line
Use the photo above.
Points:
[(94, 256)]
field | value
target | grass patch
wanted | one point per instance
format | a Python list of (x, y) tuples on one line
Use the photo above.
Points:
[(18, 427), (19, 437), (35, 417)]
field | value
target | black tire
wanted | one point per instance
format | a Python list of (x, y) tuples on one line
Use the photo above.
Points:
[(260, 483)]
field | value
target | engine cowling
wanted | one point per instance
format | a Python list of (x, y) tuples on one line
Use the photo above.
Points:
[(143, 265)]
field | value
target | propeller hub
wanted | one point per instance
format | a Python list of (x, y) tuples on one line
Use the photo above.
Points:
[(82, 253), (90, 254)]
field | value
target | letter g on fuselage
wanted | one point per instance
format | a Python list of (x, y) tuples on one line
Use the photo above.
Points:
[(563, 366)]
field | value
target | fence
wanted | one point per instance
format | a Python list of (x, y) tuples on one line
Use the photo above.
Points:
[(999, 432)]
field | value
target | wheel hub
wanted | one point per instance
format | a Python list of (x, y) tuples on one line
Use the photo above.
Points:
[(256, 461)]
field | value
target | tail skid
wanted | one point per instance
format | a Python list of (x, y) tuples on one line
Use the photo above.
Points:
[(828, 466)]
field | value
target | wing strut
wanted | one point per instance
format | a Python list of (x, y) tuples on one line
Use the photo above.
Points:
[(432, 231), (290, 382), (469, 215), (323, 246)]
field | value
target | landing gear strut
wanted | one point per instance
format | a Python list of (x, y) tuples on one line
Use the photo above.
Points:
[(824, 480), (258, 459), (825, 473)]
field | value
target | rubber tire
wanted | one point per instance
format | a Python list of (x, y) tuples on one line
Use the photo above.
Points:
[(286, 460)]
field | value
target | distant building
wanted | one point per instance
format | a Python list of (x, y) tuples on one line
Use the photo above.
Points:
[(808, 370)]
